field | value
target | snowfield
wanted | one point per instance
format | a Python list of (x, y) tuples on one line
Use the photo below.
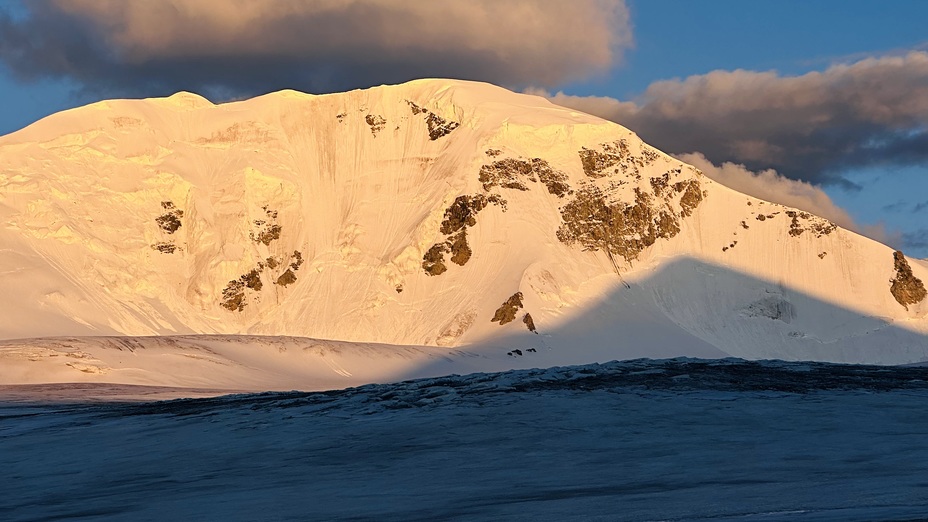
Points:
[(680, 440)]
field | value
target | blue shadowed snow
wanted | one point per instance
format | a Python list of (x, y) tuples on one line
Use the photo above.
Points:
[(640, 440)]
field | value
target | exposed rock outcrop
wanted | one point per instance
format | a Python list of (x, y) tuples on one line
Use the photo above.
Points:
[(506, 313), (296, 260), (512, 173), (906, 288), (691, 198), (433, 262), (437, 125), (165, 247), (234, 294), (287, 278), (462, 213), (529, 323), (375, 122), (624, 229), (818, 226), (505, 173), (252, 280), (170, 220), (602, 216), (266, 230), (460, 250), (617, 157)]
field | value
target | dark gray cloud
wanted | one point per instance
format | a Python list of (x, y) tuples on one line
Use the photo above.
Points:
[(229, 48), (896, 207), (809, 127), (916, 242)]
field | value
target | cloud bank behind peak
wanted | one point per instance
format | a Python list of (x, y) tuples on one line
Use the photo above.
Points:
[(808, 127), (230, 48)]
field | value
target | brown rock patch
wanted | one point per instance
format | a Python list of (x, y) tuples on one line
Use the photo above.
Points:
[(620, 228), (462, 213), (433, 262), (296, 260), (375, 122), (511, 173), (438, 126), (165, 248), (506, 313), (692, 196), (170, 220), (460, 250), (287, 278), (906, 288), (252, 280), (529, 323), (266, 230), (233, 296)]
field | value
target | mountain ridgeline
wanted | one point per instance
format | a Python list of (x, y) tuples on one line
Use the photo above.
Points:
[(433, 213)]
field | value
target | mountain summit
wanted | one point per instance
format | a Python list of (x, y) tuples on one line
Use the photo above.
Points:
[(436, 213)]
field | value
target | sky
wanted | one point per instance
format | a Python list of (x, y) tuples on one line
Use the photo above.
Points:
[(819, 104)]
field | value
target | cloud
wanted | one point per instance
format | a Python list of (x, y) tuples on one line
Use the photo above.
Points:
[(896, 207), (916, 242), (808, 127), (775, 188), (242, 47)]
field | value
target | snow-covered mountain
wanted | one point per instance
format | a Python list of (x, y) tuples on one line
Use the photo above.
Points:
[(494, 227)]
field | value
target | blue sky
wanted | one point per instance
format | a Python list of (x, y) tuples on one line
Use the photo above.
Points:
[(678, 38), (672, 39)]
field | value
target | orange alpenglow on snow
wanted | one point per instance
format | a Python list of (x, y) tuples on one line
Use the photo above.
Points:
[(328, 241)]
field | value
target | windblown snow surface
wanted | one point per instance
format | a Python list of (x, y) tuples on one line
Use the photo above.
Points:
[(641, 440)]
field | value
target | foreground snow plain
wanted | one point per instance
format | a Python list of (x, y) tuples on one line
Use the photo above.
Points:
[(639, 440)]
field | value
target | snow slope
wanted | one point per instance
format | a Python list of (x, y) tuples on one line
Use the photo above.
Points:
[(407, 216)]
